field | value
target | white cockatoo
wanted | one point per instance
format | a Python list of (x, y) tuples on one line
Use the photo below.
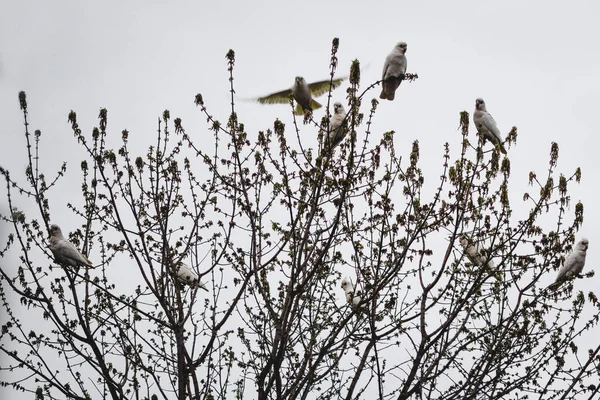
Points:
[(394, 69), (64, 251), (486, 125), (475, 253), (303, 94), (351, 297), (188, 276), (336, 127), (573, 265)]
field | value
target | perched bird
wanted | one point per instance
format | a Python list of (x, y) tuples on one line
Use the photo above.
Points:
[(188, 276), (573, 265), (64, 252), (486, 125), (336, 127), (476, 253), (394, 69), (303, 94), (351, 297)]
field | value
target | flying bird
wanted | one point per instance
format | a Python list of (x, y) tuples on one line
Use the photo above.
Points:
[(394, 69), (64, 251), (573, 265), (486, 125), (337, 130), (188, 276), (303, 94)]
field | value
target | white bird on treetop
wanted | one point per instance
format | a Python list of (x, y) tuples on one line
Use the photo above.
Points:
[(64, 251), (394, 70), (573, 265), (188, 276), (486, 125)]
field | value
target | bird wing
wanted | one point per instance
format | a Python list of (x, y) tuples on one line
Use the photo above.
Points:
[(322, 87), (385, 67), (576, 261), (282, 97), (186, 274), (488, 122), (573, 265), (336, 129), (569, 264), (333, 140), (395, 65), (70, 254), (472, 255)]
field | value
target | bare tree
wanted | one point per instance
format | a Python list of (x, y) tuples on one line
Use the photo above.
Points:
[(270, 223)]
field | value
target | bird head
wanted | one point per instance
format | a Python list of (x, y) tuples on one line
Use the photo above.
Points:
[(464, 242), (55, 231), (583, 244), (402, 47), (338, 108), (346, 284), (480, 104), (300, 80)]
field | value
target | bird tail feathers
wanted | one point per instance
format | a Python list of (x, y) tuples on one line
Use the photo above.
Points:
[(90, 263), (389, 96), (313, 106), (554, 287)]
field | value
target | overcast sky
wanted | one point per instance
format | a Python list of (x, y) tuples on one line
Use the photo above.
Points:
[(534, 62)]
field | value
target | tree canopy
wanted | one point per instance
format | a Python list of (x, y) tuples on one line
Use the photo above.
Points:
[(269, 223)]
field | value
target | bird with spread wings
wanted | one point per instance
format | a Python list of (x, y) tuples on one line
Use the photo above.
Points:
[(303, 94)]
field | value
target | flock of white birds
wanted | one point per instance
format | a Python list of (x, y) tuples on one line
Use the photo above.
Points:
[(394, 70)]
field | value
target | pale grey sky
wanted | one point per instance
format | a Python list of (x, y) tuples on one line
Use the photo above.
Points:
[(534, 62)]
